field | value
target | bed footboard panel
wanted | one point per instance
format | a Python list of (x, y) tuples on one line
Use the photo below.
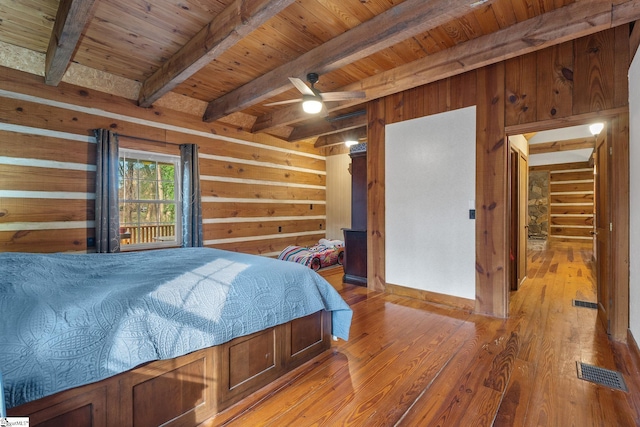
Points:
[(187, 390), (169, 392), (306, 338), (248, 364)]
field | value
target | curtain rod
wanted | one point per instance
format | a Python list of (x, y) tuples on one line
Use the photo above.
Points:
[(145, 139)]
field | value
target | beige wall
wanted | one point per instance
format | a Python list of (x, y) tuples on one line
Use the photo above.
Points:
[(338, 195)]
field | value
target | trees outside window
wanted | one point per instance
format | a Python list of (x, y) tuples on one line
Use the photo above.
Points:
[(149, 199)]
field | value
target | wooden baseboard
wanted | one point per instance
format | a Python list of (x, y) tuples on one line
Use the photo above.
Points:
[(432, 297)]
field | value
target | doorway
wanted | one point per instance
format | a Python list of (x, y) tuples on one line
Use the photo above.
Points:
[(559, 204)]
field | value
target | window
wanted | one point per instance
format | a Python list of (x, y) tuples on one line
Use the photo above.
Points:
[(149, 200)]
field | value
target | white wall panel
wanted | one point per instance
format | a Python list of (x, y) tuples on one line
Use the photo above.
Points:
[(430, 187)]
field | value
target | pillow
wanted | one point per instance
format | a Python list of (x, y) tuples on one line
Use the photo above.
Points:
[(331, 243)]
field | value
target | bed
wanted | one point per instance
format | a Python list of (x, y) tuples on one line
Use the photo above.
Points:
[(325, 253), (147, 338)]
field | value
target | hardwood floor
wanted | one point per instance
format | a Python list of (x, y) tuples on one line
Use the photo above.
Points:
[(410, 363)]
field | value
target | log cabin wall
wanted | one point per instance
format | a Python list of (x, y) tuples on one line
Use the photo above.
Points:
[(257, 198), (575, 81), (570, 201)]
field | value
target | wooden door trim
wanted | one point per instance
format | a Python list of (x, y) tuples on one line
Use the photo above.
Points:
[(602, 219), (575, 120), (513, 198)]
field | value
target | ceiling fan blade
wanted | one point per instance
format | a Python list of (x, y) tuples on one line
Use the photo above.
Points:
[(324, 112), (301, 86), (288, 101), (341, 96)]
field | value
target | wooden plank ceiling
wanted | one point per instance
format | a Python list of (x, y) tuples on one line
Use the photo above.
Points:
[(234, 56)]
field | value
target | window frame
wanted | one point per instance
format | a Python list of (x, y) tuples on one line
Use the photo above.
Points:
[(140, 155)]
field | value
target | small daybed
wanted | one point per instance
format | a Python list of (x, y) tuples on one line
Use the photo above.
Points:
[(147, 338), (324, 254)]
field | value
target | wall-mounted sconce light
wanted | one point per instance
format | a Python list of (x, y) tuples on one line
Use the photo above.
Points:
[(596, 128), (350, 142)]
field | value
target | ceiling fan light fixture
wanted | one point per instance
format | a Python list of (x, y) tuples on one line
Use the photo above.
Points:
[(311, 104)]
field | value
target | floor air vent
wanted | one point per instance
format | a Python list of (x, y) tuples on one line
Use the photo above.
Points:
[(605, 377), (578, 303)]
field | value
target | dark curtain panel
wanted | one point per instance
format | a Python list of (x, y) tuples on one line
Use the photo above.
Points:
[(107, 212), (191, 204)]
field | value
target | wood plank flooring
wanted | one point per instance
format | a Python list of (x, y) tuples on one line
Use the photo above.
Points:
[(411, 363)]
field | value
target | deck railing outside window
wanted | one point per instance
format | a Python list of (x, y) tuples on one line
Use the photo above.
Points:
[(132, 235)]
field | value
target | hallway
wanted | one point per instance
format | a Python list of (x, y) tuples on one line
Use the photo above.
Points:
[(412, 363), (554, 336)]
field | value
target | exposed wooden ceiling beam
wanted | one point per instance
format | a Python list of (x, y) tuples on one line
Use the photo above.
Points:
[(567, 23), (409, 18), (565, 145), (340, 137), (71, 18), (323, 127), (236, 21)]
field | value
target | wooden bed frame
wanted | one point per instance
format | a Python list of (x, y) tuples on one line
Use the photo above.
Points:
[(187, 390)]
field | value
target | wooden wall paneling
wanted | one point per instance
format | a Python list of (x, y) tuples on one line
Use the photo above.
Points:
[(135, 133), (413, 103), (594, 72), (585, 220), (32, 85), (570, 201), (395, 107), (568, 232), (257, 192), (45, 240), (572, 174), (260, 209), (491, 193), (462, 90), (231, 169), (431, 99), (220, 147), (13, 144), (622, 61), (28, 178), (620, 233), (560, 166), (334, 150), (555, 81), (268, 246), (571, 210), (444, 98), (571, 198), (376, 276), (521, 85), (49, 210), (260, 228), (42, 116), (582, 186)]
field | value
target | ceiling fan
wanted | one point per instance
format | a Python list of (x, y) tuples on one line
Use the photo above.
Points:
[(312, 99)]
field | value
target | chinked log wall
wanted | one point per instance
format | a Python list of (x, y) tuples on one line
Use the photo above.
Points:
[(259, 194), (572, 82), (571, 194)]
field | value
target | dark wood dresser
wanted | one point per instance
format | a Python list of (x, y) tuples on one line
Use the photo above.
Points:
[(355, 238)]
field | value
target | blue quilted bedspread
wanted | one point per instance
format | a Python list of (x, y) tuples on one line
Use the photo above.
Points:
[(69, 320)]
